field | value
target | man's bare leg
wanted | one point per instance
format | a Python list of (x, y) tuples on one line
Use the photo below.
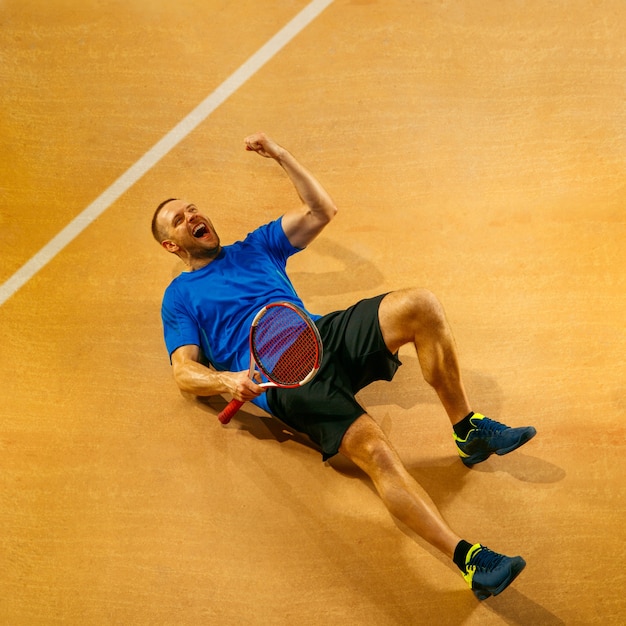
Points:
[(487, 573), (366, 445), (416, 316)]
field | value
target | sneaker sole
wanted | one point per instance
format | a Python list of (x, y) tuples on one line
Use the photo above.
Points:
[(517, 565), (478, 458)]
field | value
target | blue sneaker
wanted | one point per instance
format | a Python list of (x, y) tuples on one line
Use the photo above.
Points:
[(489, 436), (488, 573)]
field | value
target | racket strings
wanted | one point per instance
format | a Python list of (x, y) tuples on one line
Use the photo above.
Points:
[(286, 348)]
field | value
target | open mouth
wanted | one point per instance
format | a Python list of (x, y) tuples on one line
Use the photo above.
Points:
[(199, 230)]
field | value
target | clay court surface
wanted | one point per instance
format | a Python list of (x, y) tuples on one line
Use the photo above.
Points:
[(476, 148)]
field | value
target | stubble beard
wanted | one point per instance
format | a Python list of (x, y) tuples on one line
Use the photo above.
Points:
[(211, 253)]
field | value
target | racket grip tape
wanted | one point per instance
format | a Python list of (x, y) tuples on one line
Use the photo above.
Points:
[(229, 411)]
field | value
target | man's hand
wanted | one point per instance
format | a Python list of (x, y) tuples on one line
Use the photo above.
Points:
[(241, 387), (263, 145)]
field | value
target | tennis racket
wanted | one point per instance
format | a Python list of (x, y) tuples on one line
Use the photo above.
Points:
[(285, 345)]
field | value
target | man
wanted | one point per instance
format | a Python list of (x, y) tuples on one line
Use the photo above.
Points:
[(207, 313)]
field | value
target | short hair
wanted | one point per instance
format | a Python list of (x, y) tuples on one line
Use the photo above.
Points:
[(157, 231)]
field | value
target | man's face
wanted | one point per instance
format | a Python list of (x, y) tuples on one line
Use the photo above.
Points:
[(188, 230)]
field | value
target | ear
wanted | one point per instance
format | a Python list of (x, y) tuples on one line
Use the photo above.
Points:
[(170, 246)]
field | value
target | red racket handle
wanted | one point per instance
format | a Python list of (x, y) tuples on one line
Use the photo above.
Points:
[(229, 411)]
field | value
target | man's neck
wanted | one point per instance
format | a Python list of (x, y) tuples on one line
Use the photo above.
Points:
[(197, 263)]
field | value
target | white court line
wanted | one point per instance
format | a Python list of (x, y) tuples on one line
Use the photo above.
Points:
[(161, 148)]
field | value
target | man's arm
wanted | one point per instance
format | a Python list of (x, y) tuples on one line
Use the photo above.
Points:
[(193, 377), (301, 225)]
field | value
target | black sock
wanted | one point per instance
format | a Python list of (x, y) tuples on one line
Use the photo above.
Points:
[(460, 554), (463, 427)]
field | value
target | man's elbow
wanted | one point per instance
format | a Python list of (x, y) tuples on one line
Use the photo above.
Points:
[(326, 212)]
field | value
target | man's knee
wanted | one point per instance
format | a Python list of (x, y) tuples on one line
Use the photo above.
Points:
[(426, 304), (407, 313), (366, 445)]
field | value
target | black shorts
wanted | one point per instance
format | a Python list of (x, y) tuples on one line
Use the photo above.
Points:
[(355, 355)]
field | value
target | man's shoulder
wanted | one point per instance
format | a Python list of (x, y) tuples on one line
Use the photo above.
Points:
[(269, 229), (272, 237), (171, 291)]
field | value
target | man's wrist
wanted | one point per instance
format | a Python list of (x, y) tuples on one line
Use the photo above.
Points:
[(282, 154)]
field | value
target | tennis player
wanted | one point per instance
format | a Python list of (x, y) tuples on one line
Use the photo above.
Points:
[(206, 316)]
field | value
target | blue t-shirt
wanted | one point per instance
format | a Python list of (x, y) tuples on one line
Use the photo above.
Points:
[(213, 307)]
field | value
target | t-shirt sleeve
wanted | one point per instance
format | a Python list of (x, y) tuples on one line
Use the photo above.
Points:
[(179, 327), (273, 239)]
